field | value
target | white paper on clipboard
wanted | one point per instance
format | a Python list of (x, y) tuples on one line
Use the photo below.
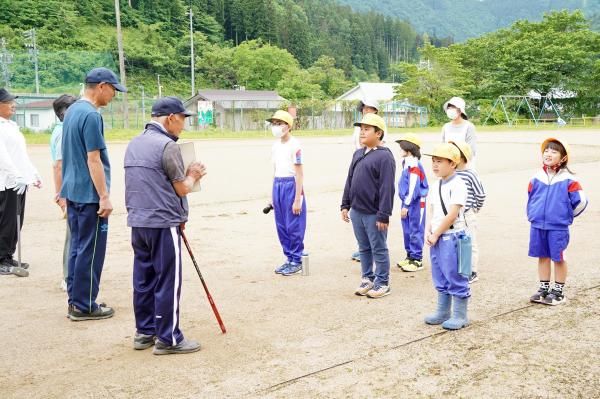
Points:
[(188, 153)]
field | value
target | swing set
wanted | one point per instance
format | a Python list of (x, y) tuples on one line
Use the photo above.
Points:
[(524, 102)]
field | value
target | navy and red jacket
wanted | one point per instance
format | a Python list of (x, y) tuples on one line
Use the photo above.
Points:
[(554, 200), (370, 185)]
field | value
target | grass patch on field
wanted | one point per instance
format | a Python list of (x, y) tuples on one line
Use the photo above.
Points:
[(124, 135)]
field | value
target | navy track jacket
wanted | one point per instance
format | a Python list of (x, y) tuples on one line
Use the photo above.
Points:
[(370, 184)]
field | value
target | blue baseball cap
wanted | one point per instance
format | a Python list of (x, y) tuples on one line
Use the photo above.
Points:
[(99, 75), (169, 105)]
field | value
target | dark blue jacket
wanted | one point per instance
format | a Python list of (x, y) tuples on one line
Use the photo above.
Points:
[(370, 183)]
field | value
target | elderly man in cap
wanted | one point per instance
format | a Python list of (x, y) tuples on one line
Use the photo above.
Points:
[(85, 186), (156, 186), (16, 173)]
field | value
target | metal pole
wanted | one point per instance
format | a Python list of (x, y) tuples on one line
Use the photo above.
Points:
[(6, 59), (143, 104), (35, 62), (122, 64), (159, 86), (192, 53)]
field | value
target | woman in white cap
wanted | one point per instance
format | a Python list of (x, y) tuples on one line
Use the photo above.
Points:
[(366, 106), (459, 128)]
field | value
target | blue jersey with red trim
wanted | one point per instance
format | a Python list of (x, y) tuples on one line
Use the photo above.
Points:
[(554, 200), (412, 184)]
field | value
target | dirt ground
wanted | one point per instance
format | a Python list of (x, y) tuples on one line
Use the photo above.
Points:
[(310, 336)]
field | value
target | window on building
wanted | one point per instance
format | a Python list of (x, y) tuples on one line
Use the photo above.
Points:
[(20, 119), (34, 120)]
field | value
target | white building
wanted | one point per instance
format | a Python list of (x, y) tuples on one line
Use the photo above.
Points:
[(381, 92), (37, 115)]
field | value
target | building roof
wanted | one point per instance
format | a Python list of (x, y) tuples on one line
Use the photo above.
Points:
[(235, 95), (40, 104), (372, 91)]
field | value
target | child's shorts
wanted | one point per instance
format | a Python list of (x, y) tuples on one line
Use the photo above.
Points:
[(548, 243)]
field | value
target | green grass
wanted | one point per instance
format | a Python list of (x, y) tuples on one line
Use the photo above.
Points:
[(124, 135)]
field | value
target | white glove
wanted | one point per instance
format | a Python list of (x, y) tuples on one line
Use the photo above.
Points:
[(20, 187)]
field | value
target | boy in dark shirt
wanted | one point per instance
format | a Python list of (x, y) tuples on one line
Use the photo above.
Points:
[(369, 192)]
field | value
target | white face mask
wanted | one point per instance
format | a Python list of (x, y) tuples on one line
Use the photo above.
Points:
[(452, 113), (277, 131)]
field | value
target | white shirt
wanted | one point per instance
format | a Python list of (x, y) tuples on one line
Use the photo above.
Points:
[(454, 192), (285, 156), (464, 131), (14, 161)]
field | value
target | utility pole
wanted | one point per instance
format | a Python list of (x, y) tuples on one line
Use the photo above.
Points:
[(32, 46), (159, 86), (122, 64), (192, 53), (143, 103), (6, 59)]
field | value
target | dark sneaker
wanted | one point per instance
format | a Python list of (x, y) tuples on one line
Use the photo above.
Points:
[(474, 277), (554, 298), (69, 311), (101, 312), (539, 296), (185, 346), (292, 269), (143, 341), (12, 262), (281, 268)]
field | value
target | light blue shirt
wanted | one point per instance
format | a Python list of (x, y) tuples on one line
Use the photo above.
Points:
[(56, 143)]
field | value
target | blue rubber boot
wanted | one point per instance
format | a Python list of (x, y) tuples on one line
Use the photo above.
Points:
[(442, 312), (459, 314)]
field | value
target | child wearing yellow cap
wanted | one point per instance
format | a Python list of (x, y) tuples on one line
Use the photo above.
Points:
[(447, 199), (412, 190), (555, 197), (368, 201), (475, 199), (288, 199)]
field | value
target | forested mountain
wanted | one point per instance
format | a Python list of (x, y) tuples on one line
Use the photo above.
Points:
[(462, 19), (156, 34)]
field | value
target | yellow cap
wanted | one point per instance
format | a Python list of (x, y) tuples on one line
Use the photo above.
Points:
[(562, 142), (464, 147), (372, 120), (282, 116), (411, 138), (448, 151)]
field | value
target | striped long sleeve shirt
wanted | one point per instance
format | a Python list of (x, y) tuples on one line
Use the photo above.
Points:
[(475, 190)]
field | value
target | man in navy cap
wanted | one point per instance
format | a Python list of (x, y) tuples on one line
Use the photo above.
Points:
[(86, 186), (156, 186), (16, 173)]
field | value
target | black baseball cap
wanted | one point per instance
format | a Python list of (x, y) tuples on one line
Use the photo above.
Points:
[(169, 105), (99, 75), (5, 96)]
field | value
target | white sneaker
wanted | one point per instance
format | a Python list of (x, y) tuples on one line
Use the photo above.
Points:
[(379, 291), (364, 287), (63, 285)]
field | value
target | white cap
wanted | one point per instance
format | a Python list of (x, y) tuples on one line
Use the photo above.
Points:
[(367, 102), (458, 103)]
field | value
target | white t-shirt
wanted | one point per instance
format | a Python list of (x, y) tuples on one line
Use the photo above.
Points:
[(285, 156), (454, 192)]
